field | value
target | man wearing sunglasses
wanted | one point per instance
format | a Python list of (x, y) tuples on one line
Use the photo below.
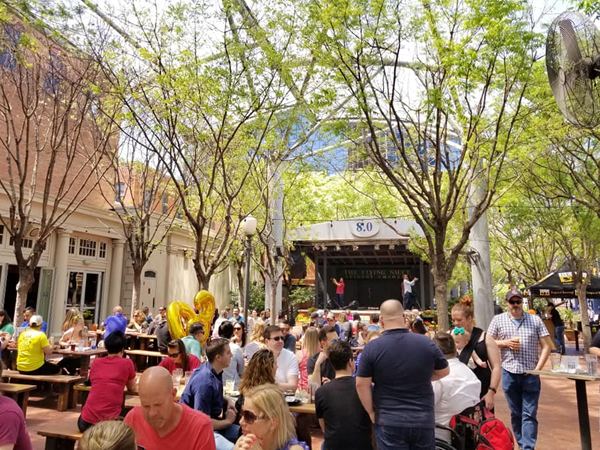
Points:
[(204, 392), (161, 423), (288, 372), (318, 367), (518, 335), (289, 340)]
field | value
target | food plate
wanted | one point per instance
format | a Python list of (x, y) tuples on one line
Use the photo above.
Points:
[(291, 400)]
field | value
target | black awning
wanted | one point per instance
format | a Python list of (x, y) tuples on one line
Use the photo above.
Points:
[(559, 284)]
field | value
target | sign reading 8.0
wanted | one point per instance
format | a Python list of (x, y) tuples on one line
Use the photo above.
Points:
[(364, 228)]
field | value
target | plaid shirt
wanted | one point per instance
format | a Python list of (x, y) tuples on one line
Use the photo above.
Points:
[(529, 331)]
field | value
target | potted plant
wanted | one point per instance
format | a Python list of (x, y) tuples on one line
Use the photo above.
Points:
[(570, 319), (87, 318)]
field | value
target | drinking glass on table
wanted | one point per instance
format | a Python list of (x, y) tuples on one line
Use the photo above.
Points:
[(188, 375), (228, 385), (177, 375)]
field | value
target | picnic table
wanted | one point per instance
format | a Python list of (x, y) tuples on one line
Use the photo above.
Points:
[(84, 355), (582, 404), (19, 393)]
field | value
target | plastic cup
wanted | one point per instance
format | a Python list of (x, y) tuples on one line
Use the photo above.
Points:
[(555, 360), (592, 365), (229, 385)]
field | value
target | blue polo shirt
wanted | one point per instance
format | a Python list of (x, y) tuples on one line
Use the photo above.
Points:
[(116, 322), (204, 391), (43, 329), (401, 365)]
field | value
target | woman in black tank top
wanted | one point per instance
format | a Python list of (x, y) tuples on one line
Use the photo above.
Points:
[(484, 347)]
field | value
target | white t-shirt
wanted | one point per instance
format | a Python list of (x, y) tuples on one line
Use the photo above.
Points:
[(287, 365), (453, 394)]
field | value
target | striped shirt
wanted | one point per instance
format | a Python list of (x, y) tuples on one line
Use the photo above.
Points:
[(530, 329)]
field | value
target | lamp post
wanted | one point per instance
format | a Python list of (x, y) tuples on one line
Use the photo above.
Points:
[(249, 228)]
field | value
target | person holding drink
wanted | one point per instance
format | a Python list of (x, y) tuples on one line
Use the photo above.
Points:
[(518, 335)]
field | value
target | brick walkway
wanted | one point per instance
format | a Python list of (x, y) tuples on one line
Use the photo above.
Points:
[(558, 429)]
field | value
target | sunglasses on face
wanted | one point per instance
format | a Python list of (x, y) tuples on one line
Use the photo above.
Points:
[(237, 328), (174, 355), (277, 338), (249, 417), (515, 302)]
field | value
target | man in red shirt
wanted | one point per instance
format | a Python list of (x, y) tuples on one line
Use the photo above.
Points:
[(109, 376), (161, 422)]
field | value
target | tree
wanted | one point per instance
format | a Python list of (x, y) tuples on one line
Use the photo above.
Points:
[(435, 127), (51, 143), (142, 195)]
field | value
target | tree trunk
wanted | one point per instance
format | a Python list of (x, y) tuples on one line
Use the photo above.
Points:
[(137, 288), (585, 319), (441, 296), (273, 306), (26, 280)]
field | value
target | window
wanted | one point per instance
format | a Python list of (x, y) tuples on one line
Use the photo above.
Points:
[(102, 250), (53, 77), (119, 192), (12, 37), (1, 234), (72, 243), (87, 247), (165, 203), (25, 243), (150, 274)]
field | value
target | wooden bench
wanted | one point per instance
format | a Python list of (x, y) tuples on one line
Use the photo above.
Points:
[(145, 358), (18, 392), (65, 383), (60, 435)]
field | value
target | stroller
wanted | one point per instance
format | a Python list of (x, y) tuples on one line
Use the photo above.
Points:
[(476, 428)]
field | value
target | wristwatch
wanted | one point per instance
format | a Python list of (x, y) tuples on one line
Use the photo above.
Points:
[(493, 389)]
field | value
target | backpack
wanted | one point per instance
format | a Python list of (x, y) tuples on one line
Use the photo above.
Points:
[(478, 429)]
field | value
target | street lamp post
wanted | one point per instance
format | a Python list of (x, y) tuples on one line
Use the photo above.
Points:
[(249, 228)]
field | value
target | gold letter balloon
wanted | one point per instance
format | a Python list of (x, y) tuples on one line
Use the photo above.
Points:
[(180, 315)]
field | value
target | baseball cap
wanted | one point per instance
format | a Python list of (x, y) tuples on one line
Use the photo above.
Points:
[(513, 293), (36, 320)]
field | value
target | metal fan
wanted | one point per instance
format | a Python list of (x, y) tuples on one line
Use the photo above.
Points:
[(573, 66)]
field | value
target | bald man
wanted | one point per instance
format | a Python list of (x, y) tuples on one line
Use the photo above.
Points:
[(161, 422), (116, 322), (401, 365)]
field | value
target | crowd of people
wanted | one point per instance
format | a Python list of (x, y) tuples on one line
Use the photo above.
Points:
[(386, 382)]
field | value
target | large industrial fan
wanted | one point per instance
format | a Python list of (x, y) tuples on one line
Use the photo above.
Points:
[(573, 65)]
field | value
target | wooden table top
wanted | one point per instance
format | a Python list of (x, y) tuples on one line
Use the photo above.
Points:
[(90, 352), (13, 388), (304, 408)]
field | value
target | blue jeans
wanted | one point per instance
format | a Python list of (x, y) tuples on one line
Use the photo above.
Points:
[(404, 438), (522, 395), (409, 301), (226, 438), (559, 337)]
